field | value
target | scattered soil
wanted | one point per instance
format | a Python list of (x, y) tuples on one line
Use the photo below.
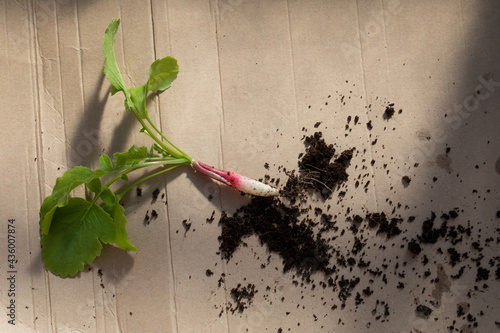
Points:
[(424, 311), (149, 218), (243, 297), (187, 225), (154, 195), (300, 228), (303, 236), (384, 225)]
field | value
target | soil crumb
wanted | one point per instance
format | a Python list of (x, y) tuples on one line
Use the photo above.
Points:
[(389, 111), (243, 297)]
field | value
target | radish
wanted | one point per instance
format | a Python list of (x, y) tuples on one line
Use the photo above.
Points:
[(73, 229), (239, 182)]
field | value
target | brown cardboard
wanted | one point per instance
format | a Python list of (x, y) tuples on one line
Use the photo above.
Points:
[(255, 77)]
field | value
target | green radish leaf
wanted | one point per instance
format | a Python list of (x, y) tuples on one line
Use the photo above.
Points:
[(95, 185), (105, 164), (159, 150), (75, 236), (60, 194), (108, 197), (138, 96), (132, 156), (161, 73), (124, 177), (110, 66), (117, 212)]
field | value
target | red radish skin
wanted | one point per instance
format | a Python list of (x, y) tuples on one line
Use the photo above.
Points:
[(237, 181)]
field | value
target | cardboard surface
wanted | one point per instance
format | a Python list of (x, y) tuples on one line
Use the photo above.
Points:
[(255, 77)]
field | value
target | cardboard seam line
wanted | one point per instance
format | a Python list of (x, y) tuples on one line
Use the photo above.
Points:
[(215, 15), (153, 33), (35, 70), (29, 236), (38, 150), (216, 18), (172, 274), (36, 103), (366, 101), (49, 316), (292, 64)]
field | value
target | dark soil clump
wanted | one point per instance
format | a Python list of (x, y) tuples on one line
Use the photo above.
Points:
[(424, 311), (414, 247), (483, 274), (406, 181), (234, 229), (430, 235), (389, 111), (318, 172), (282, 230), (243, 296)]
